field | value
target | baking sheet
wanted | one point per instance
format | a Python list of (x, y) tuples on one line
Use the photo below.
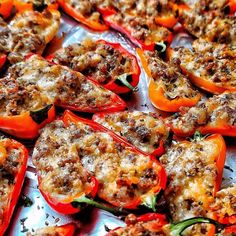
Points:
[(93, 221)]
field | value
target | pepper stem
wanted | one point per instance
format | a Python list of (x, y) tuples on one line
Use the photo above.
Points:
[(125, 82), (178, 228), (85, 200), (150, 202)]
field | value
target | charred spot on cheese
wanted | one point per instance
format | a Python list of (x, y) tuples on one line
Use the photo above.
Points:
[(211, 61), (174, 84), (9, 168), (40, 115), (98, 60), (143, 130), (217, 111), (62, 154)]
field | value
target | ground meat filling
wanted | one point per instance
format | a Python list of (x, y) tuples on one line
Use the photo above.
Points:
[(141, 29), (9, 166), (135, 227), (174, 84), (100, 61), (216, 111), (28, 32), (35, 83), (122, 174), (191, 170), (211, 26), (217, 65), (86, 8), (143, 130), (225, 203)]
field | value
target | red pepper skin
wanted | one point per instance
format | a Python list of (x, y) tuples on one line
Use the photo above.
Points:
[(230, 230), (70, 117), (3, 59), (232, 5), (157, 152), (114, 87), (66, 207), (150, 47), (19, 179), (70, 10), (5, 8), (23, 126), (66, 230)]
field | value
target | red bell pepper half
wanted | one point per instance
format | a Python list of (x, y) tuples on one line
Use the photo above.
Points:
[(6, 8), (6, 146), (73, 12), (122, 83), (150, 199), (150, 44), (28, 124), (103, 117), (3, 59), (153, 223)]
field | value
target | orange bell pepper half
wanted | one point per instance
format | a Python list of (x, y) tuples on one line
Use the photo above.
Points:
[(157, 93), (232, 6), (27, 125), (202, 82), (5, 8), (24, 6), (70, 10)]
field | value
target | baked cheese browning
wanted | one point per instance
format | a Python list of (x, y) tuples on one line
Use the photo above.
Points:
[(174, 84), (96, 59), (87, 8), (191, 170), (10, 163), (123, 174), (29, 31), (218, 111), (211, 61), (45, 24), (35, 82), (140, 28), (144, 130), (136, 227), (211, 26), (224, 204), (143, 8)]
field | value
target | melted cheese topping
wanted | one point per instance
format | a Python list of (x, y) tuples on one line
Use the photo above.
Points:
[(100, 61), (86, 8), (211, 26), (191, 170), (35, 82), (218, 111), (63, 154), (140, 129), (29, 31), (9, 169), (210, 61), (174, 84), (141, 28), (225, 203)]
